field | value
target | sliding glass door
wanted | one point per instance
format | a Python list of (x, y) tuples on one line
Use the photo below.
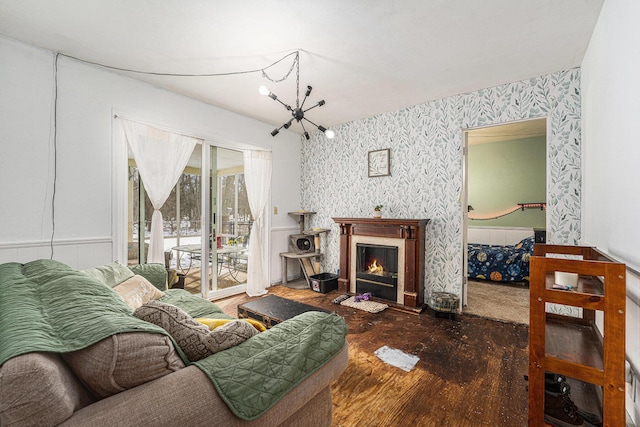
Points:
[(206, 227), (234, 227)]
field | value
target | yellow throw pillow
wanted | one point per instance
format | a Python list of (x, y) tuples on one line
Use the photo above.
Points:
[(137, 290), (214, 323)]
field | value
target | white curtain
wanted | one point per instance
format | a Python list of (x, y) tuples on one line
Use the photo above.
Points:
[(161, 157), (257, 176)]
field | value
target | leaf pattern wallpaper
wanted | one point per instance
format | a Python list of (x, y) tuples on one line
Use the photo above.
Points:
[(426, 143)]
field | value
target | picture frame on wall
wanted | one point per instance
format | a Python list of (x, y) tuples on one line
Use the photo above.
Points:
[(379, 163)]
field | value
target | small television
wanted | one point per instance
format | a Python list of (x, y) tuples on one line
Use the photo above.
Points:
[(301, 243)]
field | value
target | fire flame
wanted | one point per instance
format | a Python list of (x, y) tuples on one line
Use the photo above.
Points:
[(374, 268)]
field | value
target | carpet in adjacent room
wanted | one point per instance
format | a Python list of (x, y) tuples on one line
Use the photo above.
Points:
[(497, 301)]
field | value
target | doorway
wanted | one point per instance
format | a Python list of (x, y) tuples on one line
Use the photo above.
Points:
[(504, 174)]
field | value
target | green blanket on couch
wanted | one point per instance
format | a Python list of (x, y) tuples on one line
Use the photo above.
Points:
[(48, 306)]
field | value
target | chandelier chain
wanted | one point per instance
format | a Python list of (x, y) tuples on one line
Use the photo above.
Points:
[(295, 63), (297, 80)]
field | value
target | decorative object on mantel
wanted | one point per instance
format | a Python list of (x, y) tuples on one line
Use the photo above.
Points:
[(298, 112), (377, 211), (379, 163)]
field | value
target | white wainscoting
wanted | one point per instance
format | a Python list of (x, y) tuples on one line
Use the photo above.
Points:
[(77, 253), (280, 243), (498, 235), (86, 253)]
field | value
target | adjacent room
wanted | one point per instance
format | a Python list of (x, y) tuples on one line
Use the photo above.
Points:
[(285, 213), (506, 215)]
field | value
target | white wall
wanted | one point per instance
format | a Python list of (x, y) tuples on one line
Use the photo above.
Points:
[(87, 98), (500, 236), (611, 152), (611, 85)]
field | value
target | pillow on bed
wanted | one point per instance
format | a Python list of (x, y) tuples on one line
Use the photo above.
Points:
[(195, 339), (526, 244)]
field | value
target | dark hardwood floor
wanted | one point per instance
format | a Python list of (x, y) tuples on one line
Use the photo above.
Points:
[(470, 371)]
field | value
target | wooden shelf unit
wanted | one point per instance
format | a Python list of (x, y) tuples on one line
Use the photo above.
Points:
[(572, 346)]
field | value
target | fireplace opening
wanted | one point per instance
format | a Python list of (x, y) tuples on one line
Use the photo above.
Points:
[(377, 270)]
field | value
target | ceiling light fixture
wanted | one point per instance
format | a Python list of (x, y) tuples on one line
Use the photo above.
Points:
[(298, 112)]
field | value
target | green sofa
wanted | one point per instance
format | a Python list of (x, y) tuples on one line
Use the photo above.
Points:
[(73, 354)]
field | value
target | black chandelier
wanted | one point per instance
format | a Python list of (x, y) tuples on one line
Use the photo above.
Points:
[(298, 112)]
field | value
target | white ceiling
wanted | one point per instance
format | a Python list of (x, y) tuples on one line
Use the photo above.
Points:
[(363, 57)]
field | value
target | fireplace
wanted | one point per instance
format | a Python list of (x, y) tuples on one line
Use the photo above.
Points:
[(383, 250), (377, 270), (397, 245)]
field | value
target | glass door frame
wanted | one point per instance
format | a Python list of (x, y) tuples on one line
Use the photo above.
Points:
[(210, 213), (120, 203)]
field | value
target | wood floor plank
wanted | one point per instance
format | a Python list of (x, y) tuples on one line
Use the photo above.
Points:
[(470, 371)]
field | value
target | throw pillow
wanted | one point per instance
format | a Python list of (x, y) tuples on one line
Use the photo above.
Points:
[(216, 323), (154, 272), (137, 290), (195, 339), (124, 361), (110, 274)]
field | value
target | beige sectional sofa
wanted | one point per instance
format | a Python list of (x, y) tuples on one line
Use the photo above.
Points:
[(145, 379)]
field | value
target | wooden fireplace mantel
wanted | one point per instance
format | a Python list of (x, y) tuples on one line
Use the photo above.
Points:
[(412, 231)]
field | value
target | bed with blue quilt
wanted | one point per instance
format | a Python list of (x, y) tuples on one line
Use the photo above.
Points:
[(500, 263)]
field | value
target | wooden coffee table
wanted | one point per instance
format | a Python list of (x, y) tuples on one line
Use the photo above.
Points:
[(271, 310)]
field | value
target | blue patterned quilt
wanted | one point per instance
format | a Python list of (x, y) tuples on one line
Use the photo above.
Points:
[(500, 263)]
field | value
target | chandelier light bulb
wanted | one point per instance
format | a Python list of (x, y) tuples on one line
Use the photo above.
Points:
[(264, 90), (329, 134)]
